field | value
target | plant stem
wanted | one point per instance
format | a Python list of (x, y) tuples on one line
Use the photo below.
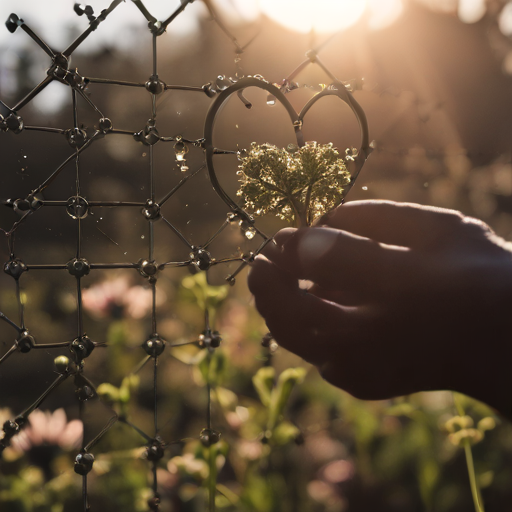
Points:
[(212, 478), (475, 491)]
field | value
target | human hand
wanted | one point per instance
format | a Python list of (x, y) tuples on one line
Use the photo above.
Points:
[(404, 298)]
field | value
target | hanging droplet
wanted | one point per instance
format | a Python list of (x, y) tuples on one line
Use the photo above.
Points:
[(365, 187), (247, 229), (222, 83), (271, 100), (84, 393), (250, 233), (180, 148), (184, 168)]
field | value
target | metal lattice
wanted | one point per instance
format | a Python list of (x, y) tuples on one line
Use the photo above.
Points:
[(201, 257)]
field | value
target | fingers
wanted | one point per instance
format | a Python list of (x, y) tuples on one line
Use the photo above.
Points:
[(338, 260), (299, 321), (406, 224)]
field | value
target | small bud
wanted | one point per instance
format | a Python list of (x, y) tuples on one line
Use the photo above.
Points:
[(61, 364)]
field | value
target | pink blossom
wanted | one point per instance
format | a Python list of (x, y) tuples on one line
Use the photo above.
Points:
[(104, 298), (47, 428)]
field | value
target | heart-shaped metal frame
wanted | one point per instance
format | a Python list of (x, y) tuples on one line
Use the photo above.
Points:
[(354, 163)]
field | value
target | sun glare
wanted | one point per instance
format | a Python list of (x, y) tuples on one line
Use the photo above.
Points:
[(330, 15)]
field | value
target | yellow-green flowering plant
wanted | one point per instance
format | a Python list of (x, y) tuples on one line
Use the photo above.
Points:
[(298, 184)]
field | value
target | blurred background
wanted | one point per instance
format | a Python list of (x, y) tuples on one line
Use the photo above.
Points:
[(434, 78)]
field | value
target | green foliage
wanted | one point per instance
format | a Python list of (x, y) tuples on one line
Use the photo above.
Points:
[(203, 294), (296, 184)]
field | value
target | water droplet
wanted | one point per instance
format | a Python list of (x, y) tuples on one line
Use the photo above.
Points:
[(250, 233), (271, 100), (365, 187), (426, 184), (144, 154), (125, 253), (142, 236), (236, 126)]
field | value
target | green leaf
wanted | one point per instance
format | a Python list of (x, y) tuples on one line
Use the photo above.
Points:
[(213, 367), (281, 393), (285, 433), (108, 392), (263, 381), (205, 295), (226, 398)]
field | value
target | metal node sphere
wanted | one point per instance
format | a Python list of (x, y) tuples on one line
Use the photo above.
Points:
[(209, 436), (10, 428), (78, 267), (154, 85), (155, 451), (151, 210), (105, 124), (83, 463), (148, 268), (77, 207), (201, 259), (81, 347), (154, 346), (209, 339), (25, 342), (76, 137), (15, 268), (14, 123)]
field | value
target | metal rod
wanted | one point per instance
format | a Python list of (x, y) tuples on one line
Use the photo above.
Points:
[(182, 238), (180, 184), (33, 93), (38, 40)]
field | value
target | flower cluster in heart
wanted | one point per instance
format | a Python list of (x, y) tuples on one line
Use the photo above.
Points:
[(298, 184)]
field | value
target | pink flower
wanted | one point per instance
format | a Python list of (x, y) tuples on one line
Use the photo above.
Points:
[(117, 298), (49, 429)]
